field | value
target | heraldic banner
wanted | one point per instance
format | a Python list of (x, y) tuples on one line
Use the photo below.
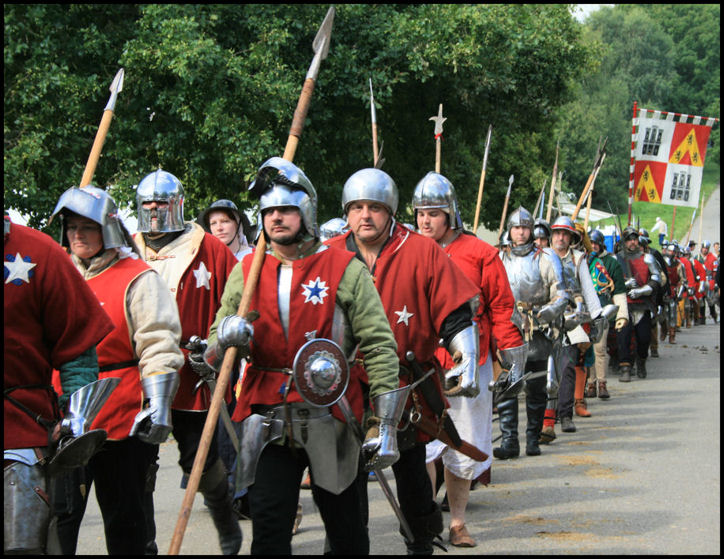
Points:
[(667, 157)]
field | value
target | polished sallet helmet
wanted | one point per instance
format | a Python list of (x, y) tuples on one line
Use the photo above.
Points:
[(370, 184), (435, 191), (281, 183), (520, 218), (541, 229), (97, 205), (565, 223), (160, 186)]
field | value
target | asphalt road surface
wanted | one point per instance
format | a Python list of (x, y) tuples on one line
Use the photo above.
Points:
[(641, 476)]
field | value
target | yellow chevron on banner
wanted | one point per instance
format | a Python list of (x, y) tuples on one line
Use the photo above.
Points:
[(647, 187), (688, 145)]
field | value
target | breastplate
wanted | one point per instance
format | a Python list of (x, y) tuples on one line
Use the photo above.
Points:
[(525, 278), (570, 277)]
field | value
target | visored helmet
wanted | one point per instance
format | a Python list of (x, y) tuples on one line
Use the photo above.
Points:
[(434, 191), (541, 229), (281, 183), (161, 186), (370, 184), (521, 218), (96, 205), (565, 223)]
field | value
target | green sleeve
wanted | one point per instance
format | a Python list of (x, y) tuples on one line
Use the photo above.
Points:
[(77, 373), (614, 268), (230, 299), (358, 298)]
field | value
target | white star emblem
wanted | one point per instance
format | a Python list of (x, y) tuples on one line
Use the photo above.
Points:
[(18, 270), (202, 276), (404, 315), (315, 291)]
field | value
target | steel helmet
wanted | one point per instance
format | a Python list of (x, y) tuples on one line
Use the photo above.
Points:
[(521, 218), (565, 223), (97, 205), (598, 238), (705, 244), (220, 205), (370, 184), (332, 228), (541, 229), (629, 233), (434, 191), (281, 183), (161, 186)]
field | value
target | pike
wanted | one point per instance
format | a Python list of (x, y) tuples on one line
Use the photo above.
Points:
[(505, 206), (691, 225), (701, 218), (320, 46), (482, 179), (541, 198), (553, 186), (439, 119), (377, 159), (596, 167), (590, 195), (90, 166)]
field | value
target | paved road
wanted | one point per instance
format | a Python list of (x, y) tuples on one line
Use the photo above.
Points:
[(641, 476)]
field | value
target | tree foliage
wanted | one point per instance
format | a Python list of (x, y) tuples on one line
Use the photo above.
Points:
[(210, 91)]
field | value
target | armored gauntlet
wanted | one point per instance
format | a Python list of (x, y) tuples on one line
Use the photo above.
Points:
[(153, 424), (380, 446), (462, 380)]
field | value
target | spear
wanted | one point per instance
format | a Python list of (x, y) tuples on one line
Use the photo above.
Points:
[(320, 46), (90, 166), (553, 186), (691, 226), (590, 194), (541, 197), (439, 119), (594, 172), (482, 179), (505, 206), (375, 154), (701, 218), (542, 205)]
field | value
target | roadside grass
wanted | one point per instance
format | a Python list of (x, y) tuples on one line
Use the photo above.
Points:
[(645, 213)]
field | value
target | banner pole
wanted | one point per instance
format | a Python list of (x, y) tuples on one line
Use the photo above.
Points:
[(633, 162)]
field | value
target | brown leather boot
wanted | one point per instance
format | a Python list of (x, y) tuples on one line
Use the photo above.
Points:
[(602, 392), (591, 389), (672, 335), (579, 406), (663, 333)]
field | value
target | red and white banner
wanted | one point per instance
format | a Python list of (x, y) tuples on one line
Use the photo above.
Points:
[(667, 157)]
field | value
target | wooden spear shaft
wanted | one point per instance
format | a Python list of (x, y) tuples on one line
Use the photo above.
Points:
[(701, 218), (482, 180), (320, 48), (553, 187), (590, 195)]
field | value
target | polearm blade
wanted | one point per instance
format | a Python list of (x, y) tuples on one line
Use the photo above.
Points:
[(505, 206), (691, 225), (590, 193), (320, 46), (541, 197), (482, 179), (596, 166), (90, 166), (439, 119), (373, 111)]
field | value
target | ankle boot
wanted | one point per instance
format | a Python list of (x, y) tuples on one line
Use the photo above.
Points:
[(535, 410), (591, 389), (579, 407), (602, 392), (662, 337), (640, 367), (625, 373), (214, 487), (508, 421), (548, 433), (672, 335)]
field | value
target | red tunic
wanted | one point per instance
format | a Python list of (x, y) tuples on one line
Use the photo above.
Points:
[(640, 271), (710, 263), (701, 272), (198, 296), (690, 277), (126, 400), (312, 299), (419, 287), (480, 262), (50, 317), (672, 273)]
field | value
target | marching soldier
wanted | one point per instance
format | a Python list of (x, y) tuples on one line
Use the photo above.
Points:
[(308, 294), (614, 292), (692, 286), (536, 278), (586, 307), (143, 351), (658, 319), (43, 330), (700, 293), (426, 298), (642, 280), (436, 213), (710, 262), (676, 277), (541, 233), (194, 265)]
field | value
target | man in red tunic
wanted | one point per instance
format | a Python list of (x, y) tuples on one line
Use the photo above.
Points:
[(43, 330), (436, 213), (143, 351), (195, 266), (307, 293), (426, 298), (710, 262)]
